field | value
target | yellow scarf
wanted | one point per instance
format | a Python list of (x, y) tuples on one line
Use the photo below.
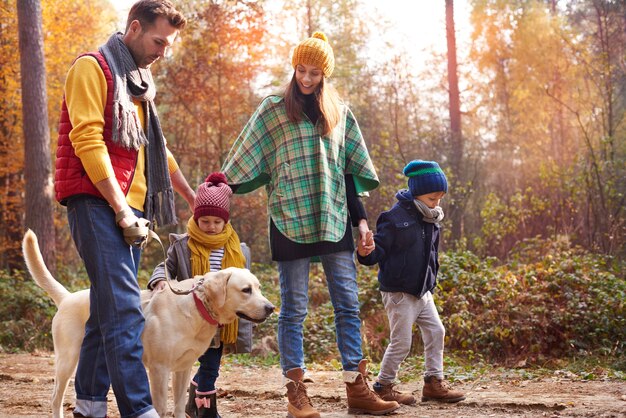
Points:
[(200, 244)]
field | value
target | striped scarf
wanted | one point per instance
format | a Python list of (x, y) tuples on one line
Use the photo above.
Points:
[(131, 82)]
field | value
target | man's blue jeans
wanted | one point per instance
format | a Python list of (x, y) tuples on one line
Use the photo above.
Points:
[(111, 351), (340, 273)]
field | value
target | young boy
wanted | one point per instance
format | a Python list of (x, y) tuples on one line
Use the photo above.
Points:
[(210, 244), (406, 247)]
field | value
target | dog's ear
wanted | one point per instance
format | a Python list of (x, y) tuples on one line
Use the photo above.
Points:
[(216, 287)]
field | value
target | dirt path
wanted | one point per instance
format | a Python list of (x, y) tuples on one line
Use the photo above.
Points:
[(26, 384)]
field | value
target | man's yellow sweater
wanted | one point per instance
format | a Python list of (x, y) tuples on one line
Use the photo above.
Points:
[(85, 95)]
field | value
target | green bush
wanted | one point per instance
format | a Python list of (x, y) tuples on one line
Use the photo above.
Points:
[(25, 314), (549, 301)]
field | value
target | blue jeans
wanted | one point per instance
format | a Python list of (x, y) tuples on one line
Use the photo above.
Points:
[(111, 351), (340, 273), (209, 369)]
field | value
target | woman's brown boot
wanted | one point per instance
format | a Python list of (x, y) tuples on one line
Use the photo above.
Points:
[(361, 399), (299, 402)]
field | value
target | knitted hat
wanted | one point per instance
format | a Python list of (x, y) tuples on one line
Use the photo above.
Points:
[(425, 177), (213, 197), (315, 51)]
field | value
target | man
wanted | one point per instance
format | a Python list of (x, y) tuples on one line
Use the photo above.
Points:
[(112, 174)]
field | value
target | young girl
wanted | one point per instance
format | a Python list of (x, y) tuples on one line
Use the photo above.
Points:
[(210, 244), (307, 148), (406, 248)]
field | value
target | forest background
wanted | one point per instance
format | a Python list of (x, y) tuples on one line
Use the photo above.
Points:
[(528, 126)]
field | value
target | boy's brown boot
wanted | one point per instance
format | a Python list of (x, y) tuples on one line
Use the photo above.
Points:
[(299, 402), (389, 393), (361, 399), (439, 390)]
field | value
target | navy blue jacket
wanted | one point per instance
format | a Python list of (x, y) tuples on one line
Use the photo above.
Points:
[(407, 249)]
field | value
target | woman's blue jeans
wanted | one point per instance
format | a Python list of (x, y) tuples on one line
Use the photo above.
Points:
[(340, 272), (111, 351)]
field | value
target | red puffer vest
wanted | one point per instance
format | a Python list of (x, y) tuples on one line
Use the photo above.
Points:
[(70, 177)]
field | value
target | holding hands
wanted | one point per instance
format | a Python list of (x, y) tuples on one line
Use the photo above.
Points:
[(365, 244)]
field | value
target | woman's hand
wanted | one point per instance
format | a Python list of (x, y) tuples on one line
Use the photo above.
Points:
[(366, 239), (365, 247)]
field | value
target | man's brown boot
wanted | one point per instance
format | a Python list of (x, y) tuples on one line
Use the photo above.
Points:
[(299, 402), (361, 399), (388, 393), (439, 390)]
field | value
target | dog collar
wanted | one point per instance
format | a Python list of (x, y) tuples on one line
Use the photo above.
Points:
[(203, 311)]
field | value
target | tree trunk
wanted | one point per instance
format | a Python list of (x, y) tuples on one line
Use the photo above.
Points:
[(309, 18), (37, 165), (456, 136)]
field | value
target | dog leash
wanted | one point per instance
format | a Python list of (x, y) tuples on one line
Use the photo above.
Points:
[(139, 236), (155, 236)]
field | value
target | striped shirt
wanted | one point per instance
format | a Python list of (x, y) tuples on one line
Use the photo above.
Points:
[(215, 259)]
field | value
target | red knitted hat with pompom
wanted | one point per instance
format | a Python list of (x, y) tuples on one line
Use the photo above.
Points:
[(213, 197)]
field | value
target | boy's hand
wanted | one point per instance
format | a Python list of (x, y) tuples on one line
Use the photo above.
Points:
[(366, 246)]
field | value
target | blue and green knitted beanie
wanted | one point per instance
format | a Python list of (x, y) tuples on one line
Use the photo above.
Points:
[(425, 177)]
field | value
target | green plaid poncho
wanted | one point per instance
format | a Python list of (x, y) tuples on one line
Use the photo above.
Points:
[(303, 172)]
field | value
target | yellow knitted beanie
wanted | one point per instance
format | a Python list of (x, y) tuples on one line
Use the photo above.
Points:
[(315, 51)]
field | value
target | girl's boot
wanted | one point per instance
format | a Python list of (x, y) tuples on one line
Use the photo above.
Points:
[(191, 411), (206, 402)]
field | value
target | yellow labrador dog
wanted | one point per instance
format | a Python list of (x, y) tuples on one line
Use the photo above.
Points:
[(178, 328)]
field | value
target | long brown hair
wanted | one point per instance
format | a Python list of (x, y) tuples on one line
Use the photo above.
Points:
[(328, 104)]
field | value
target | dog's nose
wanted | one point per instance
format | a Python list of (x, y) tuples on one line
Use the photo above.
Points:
[(269, 309)]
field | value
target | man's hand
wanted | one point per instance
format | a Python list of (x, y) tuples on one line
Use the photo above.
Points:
[(134, 229), (128, 219)]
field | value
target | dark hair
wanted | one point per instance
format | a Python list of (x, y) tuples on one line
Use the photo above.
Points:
[(327, 101), (147, 12)]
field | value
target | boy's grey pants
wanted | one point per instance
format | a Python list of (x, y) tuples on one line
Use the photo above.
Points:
[(403, 310)]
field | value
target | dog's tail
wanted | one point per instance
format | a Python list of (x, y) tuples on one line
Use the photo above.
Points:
[(38, 269)]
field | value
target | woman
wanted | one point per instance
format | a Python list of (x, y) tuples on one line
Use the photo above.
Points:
[(307, 149)]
